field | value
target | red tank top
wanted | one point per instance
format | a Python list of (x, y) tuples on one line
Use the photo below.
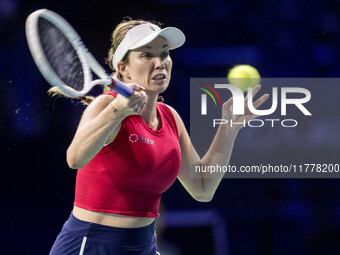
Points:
[(129, 175)]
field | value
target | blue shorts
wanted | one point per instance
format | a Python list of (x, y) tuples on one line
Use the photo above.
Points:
[(79, 237)]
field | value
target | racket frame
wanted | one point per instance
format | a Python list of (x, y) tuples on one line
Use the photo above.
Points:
[(86, 58)]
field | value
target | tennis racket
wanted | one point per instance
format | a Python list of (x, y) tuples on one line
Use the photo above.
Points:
[(62, 57)]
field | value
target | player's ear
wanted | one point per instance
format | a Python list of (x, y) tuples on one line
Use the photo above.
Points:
[(123, 69)]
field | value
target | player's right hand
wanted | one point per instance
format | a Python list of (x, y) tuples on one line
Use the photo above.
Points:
[(132, 105)]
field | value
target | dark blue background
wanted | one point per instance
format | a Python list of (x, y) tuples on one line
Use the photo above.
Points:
[(281, 38)]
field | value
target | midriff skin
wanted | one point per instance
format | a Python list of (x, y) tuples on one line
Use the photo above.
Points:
[(110, 219)]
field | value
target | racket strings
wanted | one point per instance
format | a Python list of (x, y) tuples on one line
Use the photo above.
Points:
[(61, 55)]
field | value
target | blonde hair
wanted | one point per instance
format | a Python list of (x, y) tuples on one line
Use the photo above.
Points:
[(116, 38)]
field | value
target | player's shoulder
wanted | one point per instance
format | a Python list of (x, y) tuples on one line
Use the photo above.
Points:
[(173, 111), (179, 122), (171, 108), (176, 115)]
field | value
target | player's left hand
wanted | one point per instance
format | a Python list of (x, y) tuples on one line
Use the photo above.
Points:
[(227, 110)]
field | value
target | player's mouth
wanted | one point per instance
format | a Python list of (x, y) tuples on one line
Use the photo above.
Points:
[(159, 78)]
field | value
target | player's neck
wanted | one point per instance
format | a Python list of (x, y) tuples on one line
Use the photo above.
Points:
[(149, 114)]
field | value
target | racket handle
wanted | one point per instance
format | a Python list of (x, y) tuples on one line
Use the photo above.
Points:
[(121, 88)]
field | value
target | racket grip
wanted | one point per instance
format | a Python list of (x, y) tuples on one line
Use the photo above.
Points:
[(121, 88)]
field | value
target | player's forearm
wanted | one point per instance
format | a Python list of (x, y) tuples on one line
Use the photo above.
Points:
[(91, 137), (219, 153)]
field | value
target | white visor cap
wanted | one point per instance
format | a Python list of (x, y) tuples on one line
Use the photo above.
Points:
[(141, 35)]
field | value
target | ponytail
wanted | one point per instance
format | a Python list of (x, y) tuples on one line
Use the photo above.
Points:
[(57, 92)]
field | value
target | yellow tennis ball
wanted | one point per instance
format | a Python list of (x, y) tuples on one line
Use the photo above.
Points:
[(244, 77)]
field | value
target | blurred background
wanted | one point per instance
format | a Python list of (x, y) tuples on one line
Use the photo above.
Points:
[(283, 38)]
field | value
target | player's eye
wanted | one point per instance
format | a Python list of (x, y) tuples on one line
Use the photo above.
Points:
[(165, 54), (146, 55)]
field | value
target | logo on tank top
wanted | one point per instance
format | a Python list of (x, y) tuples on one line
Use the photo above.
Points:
[(133, 138)]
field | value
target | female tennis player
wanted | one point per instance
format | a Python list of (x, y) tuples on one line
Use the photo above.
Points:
[(131, 150)]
